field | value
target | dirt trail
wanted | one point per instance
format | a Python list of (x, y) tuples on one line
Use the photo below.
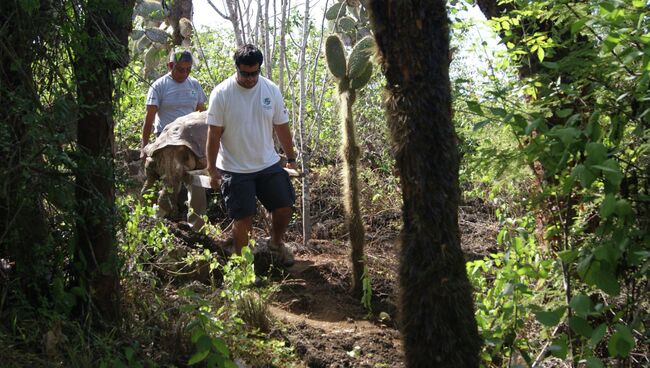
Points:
[(330, 328), (324, 323)]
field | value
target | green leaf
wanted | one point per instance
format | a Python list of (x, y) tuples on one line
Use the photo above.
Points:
[(229, 364), (498, 111), (566, 135), (559, 347), (608, 206), (580, 326), (612, 172), (221, 347), (621, 342), (204, 343), (594, 131), (196, 334), (198, 357), (596, 153), (577, 25), (605, 278), (593, 362), (584, 174), (598, 334), (474, 107), (481, 124), (540, 54), (623, 208), (564, 113), (581, 304), (129, 353), (550, 318)]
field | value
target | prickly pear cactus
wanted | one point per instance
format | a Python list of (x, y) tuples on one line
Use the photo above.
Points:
[(361, 81), (335, 55), (335, 11), (351, 74), (360, 57)]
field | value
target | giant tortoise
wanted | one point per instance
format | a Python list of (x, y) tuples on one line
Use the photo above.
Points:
[(179, 148)]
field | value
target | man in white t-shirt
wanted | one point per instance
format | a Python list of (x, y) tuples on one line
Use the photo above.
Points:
[(171, 96), (243, 113)]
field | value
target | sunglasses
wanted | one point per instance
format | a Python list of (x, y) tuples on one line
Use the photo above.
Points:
[(183, 70), (244, 74)]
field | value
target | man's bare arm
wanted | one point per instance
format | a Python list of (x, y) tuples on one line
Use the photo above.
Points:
[(147, 127), (211, 152), (284, 136)]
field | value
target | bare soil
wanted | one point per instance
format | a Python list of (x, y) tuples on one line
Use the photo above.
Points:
[(330, 328)]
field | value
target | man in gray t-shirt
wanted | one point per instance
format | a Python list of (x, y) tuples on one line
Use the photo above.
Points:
[(171, 96)]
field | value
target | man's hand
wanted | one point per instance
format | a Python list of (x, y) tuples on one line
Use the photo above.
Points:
[(291, 165), (215, 177), (143, 155)]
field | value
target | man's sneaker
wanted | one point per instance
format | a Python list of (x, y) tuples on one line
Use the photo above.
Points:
[(282, 253)]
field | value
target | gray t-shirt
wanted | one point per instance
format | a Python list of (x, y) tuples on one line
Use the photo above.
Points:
[(174, 99)]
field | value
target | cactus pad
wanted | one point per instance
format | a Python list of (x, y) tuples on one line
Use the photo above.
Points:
[(335, 56), (346, 24), (360, 56), (362, 80), (335, 11)]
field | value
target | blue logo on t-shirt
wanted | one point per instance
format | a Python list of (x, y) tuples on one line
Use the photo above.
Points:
[(266, 103)]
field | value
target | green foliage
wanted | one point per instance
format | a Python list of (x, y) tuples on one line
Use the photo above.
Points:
[(576, 121), (224, 328), (510, 282)]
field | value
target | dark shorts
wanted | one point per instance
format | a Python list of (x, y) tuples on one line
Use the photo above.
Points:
[(271, 186)]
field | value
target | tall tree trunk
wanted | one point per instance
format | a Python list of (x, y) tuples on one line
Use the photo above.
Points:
[(266, 38), (233, 15), (283, 43), (23, 229), (304, 151), (107, 24), (436, 307)]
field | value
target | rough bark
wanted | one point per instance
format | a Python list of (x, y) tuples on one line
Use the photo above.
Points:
[(97, 260), (436, 307), (283, 45)]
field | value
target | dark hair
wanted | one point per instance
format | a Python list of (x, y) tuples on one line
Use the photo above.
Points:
[(178, 56), (248, 55)]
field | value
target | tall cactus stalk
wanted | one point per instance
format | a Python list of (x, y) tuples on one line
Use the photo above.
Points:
[(352, 75), (351, 152)]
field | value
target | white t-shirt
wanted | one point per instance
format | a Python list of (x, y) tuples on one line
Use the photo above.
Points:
[(174, 99), (247, 116)]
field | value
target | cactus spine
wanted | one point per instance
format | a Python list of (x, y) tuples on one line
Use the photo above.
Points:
[(347, 87)]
